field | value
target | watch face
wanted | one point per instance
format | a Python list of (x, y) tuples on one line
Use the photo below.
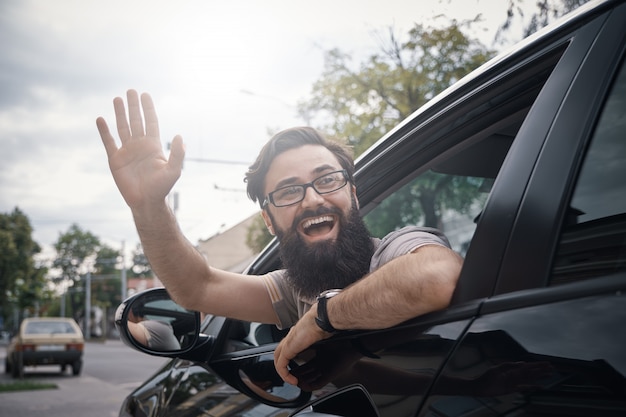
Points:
[(329, 293)]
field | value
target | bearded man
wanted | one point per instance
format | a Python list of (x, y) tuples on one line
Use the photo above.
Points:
[(335, 276)]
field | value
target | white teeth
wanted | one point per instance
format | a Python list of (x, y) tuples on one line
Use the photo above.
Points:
[(317, 220)]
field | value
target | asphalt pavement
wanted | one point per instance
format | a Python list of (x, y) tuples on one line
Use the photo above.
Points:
[(75, 396)]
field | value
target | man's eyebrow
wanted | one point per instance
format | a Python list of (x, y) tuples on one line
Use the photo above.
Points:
[(321, 169), (294, 180), (286, 182)]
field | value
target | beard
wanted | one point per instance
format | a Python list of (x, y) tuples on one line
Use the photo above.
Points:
[(319, 266)]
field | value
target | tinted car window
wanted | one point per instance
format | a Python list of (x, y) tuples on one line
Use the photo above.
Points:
[(48, 327), (593, 241), (446, 186), (450, 203), (537, 361)]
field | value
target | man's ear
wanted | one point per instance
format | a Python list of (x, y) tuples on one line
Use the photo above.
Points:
[(356, 199), (268, 222)]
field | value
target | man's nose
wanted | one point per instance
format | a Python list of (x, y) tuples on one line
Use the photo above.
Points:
[(312, 198)]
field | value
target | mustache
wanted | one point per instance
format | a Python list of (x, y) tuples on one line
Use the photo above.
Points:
[(321, 211)]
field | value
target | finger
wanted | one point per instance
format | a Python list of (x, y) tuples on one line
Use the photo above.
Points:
[(120, 118), (177, 153), (281, 363), (107, 139), (134, 114), (149, 113)]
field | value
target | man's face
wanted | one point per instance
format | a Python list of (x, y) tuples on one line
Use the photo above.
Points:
[(324, 243), (300, 166)]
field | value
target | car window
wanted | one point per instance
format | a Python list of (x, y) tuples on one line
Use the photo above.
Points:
[(450, 203), (593, 241), (243, 335), (48, 327), (451, 165)]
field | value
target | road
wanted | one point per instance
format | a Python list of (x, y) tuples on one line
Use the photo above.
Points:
[(111, 371)]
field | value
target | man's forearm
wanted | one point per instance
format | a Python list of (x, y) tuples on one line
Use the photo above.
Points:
[(174, 260), (404, 288), (407, 287)]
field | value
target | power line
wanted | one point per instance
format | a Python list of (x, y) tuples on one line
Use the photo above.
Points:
[(217, 161)]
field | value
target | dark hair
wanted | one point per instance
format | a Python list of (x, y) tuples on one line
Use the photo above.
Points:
[(283, 141)]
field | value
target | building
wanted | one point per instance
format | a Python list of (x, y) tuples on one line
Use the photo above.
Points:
[(227, 250)]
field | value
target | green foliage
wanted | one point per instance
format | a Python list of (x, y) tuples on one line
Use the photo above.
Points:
[(257, 236), (365, 103), (141, 265), (362, 104), (73, 248), (424, 201), (106, 260), (22, 282), (106, 281)]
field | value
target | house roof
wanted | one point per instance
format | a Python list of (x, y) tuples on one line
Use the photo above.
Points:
[(227, 250)]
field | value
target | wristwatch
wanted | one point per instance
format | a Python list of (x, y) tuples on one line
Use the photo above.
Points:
[(322, 314)]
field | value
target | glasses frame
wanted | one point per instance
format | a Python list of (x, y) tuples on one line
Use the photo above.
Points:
[(270, 196)]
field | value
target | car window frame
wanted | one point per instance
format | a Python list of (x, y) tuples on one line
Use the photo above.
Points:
[(536, 235)]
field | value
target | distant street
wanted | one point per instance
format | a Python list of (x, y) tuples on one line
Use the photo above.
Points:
[(111, 371)]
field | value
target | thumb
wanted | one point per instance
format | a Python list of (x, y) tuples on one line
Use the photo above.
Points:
[(177, 153)]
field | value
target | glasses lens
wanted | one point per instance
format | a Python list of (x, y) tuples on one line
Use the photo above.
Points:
[(288, 195), (295, 193), (330, 182)]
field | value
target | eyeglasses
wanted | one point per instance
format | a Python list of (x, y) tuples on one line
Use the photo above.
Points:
[(293, 194)]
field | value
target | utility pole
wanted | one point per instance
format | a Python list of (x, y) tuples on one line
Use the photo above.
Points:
[(62, 313), (87, 321)]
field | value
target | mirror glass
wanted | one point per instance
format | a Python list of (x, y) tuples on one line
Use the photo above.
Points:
[(261, 377), (159, 324)]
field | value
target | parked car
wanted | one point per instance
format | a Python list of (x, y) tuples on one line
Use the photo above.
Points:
[(45, 341), (522, 165)]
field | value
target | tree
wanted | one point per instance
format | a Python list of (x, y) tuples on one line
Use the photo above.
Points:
[(548, 11), (363, 104), (22, 282), (106, 282), (73, 248), (141, 266), (257, 236)]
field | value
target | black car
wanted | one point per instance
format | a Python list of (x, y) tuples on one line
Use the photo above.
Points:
[(523, 165)]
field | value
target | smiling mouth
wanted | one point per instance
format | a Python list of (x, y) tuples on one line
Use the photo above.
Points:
[(317, 226)]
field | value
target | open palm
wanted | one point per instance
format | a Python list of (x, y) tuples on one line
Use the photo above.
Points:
[(141, 171)]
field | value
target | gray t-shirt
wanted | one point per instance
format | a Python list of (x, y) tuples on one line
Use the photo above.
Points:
[(160, 335), (290, 306)]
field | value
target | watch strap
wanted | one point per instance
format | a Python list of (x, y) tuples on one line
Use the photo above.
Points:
[(322, 313)]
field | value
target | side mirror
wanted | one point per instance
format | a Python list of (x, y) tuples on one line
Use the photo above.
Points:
[(351, 401), (153, 323)]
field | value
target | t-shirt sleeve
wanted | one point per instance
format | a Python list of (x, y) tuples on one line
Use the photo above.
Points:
[(406, 240), (282, 298), (160, 335)]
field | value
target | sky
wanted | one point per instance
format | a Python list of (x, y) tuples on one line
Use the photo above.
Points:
[(221, 73)]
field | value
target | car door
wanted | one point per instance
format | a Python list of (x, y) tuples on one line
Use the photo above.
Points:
[(456, 148), (556, 328)]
